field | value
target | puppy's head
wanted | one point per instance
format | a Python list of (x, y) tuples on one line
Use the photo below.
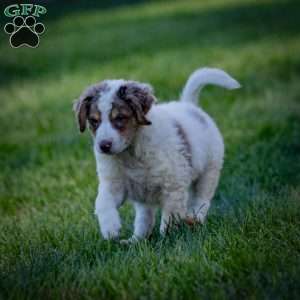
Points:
[(114, 110)]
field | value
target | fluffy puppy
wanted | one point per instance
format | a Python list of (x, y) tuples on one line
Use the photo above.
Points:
[(156, 155)]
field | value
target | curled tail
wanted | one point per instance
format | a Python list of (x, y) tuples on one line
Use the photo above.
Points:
[(204, 76)]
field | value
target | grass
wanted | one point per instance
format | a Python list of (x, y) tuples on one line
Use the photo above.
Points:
[(50, 245)]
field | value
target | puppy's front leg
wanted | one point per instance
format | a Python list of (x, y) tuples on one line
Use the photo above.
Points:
[(143, 223), (144, 220), (110, 197)]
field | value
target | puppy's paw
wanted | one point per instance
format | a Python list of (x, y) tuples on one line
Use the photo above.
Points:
[(132, 240), (111, 230)]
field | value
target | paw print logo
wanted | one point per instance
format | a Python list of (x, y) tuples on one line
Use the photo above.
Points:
[(24, 32)]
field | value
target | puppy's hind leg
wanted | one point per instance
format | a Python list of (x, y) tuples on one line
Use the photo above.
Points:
[(204, 190)]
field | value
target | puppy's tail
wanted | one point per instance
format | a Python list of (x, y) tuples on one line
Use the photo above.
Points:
[(204, 76)]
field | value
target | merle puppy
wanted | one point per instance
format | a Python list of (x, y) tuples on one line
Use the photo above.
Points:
[(166, 156)]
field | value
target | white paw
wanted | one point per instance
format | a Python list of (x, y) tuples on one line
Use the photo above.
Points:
[(130, 241), (111, 230)]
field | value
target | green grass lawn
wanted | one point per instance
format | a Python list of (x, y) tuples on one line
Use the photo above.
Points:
[(50, 245)]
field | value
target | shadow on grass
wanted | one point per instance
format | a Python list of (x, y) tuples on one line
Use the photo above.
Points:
[(81, 45)]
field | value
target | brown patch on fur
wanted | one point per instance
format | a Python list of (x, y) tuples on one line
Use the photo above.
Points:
[(191, 221), (122, 118), (82, 105), (94, 117), (139, 98), (197, 115), (187, 147)]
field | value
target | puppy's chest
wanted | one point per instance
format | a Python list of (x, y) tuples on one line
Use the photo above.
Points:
[(141, 184)]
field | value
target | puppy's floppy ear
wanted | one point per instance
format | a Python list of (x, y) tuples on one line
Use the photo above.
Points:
[(80, 107), (139, 97)]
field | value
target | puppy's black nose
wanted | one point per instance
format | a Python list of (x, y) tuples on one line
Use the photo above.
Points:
[(105, 146)]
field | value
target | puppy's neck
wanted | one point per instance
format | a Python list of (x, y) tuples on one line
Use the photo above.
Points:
[(135, 151)]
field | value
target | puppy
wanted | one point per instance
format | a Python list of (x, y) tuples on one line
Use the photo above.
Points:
[(166, 156)]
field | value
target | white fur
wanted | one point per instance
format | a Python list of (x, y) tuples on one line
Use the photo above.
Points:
[(153, 172), (204, 76), (106, 130)]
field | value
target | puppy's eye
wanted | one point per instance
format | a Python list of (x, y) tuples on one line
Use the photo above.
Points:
[(94, 122), (121, 118), (120, 121)]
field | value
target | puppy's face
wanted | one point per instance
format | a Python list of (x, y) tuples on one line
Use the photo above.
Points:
[(114, 110)]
